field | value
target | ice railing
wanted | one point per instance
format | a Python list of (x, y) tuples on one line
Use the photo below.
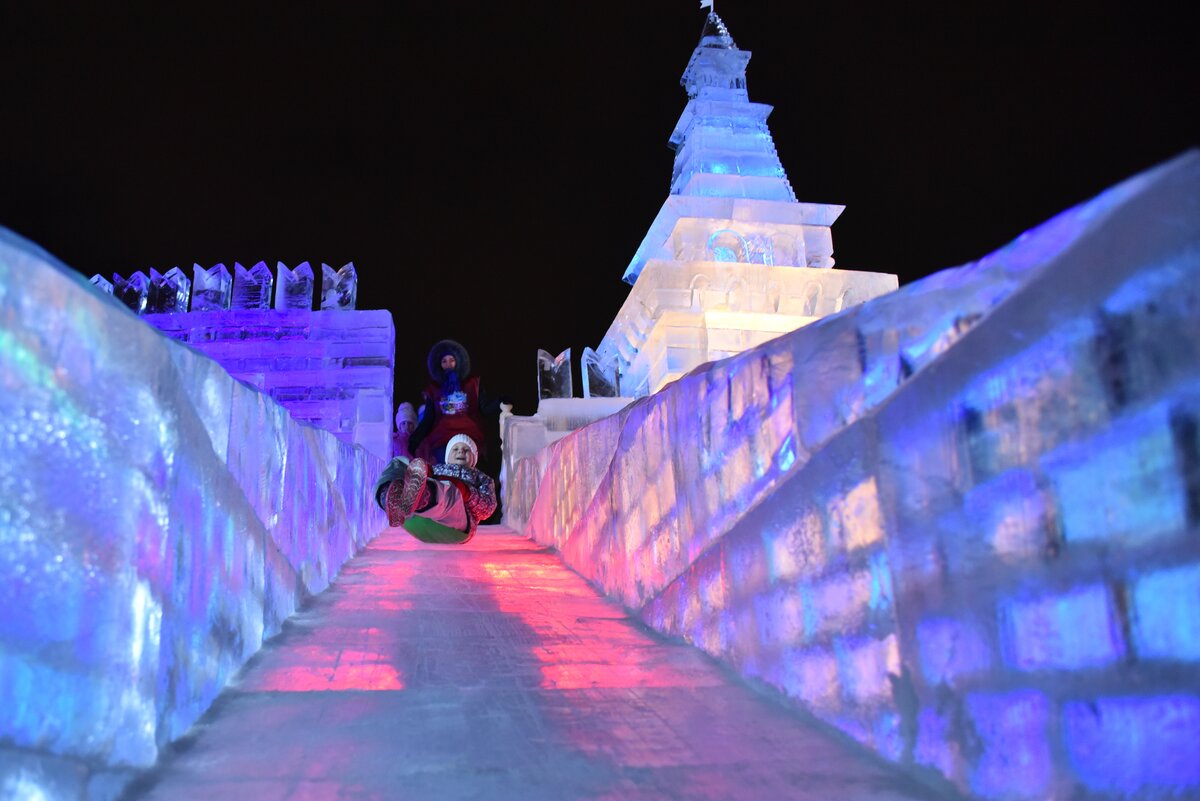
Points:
[(958, 522), (158, 520)]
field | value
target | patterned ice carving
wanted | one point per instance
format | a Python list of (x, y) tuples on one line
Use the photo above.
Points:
[(339, 289), (169, 293), (601, 379), (295, 289), (554, 374), (252, 288), (134, 292), (213, 288)]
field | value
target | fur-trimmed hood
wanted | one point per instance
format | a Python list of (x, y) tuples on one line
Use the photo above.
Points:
[(461, 357)]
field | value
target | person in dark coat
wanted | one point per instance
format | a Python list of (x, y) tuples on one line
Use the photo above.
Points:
[(454, 404)]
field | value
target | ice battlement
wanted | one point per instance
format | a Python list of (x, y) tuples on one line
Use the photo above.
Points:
[(330, 368)]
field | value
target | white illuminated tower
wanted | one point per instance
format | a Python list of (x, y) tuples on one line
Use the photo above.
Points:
[(732, 259)]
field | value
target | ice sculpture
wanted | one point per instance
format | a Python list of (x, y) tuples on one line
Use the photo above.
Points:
[(212, 289), (251, 288), (554, 374), (158, 520), (134, 293), (294, 290), (330, 369), (339, 288), (101, 283), (170, 293), (732, 260), (601, 379), (956, 522)]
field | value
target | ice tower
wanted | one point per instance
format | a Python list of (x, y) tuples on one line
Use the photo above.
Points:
[(732, 259)]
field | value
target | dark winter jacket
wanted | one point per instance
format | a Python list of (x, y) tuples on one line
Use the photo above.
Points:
[(477, 488), (451, 411)]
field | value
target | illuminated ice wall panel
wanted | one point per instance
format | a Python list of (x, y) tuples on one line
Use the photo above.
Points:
[(158, 520), (680, 315), (731, 260), (330, 369), (957, 522)]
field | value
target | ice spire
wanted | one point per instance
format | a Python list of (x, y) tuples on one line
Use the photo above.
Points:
[(722, 145)]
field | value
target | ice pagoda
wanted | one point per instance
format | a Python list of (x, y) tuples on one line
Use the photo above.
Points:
[(732, 259)]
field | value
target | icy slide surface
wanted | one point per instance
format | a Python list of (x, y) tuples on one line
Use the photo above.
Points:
[(958, 522), (158, 520)]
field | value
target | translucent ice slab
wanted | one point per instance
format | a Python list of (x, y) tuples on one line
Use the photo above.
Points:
[(956, 521), (158, 520)]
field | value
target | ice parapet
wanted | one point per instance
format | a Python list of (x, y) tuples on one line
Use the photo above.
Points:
[(601, 378), (158, 520), (953, 521), (554, 374), (134, 292), (295, 289), (170, 293), (101, 283), (252, 288), (212, 289), (339, 288)]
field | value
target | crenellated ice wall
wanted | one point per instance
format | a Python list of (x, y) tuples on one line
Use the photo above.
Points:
[(158, 521), (960, 522)]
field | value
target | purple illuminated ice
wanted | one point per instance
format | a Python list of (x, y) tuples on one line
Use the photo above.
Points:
[(294, 288), (252, 288), (212, 289)]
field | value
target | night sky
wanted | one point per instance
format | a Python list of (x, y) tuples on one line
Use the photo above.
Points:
[(491, 168)]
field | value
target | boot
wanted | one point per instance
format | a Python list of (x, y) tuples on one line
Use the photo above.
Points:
[(408, 493)]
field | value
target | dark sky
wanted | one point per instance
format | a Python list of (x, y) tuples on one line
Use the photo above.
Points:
[(490, 168)]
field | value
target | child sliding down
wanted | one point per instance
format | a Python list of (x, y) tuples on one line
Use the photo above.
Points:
[(453, 494)]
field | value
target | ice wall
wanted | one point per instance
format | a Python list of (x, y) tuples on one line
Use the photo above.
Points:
[(958, 522), (158, 520), (330, 369)]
